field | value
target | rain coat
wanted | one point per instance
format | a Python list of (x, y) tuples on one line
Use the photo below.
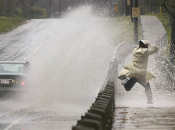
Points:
[(138, 66)]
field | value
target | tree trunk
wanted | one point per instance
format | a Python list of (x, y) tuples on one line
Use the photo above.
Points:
[(25, 8), (172, 45), (2, 7), (10, 8)]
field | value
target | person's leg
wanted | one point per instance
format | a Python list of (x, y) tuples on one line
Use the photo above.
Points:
[(148, 93), (130, 84)]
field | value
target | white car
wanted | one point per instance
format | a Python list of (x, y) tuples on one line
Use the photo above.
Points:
[(13, 73)]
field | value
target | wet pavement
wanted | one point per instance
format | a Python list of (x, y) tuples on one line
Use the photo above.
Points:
[(148, 118), (132, 110)]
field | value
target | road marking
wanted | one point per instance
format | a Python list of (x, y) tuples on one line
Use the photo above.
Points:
[(15, 122), (33, 51)]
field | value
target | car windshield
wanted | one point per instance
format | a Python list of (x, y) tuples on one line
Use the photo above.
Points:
[(11, 68)]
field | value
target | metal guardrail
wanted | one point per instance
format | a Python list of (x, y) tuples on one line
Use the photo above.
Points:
[(101, 113)]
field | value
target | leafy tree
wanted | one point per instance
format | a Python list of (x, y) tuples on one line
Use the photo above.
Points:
[(11, 5), (2, 7), (16, 7), (38, 12)]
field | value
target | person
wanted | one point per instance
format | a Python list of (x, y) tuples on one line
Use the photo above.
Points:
[(136, 70)]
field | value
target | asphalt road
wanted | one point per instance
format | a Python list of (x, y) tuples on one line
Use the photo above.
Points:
[(69, 60)]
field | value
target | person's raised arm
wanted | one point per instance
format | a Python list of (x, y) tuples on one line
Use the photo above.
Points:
[(153, 49)]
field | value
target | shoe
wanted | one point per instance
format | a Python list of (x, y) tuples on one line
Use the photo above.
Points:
[(125, 81)]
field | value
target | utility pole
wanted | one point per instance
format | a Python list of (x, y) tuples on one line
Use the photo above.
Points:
[(60, 8), (135, 19), (131, 6), (127, 4), (50, 8)]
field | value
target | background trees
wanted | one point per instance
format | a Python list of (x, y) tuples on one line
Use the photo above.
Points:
[(2, 7), (20, 8), (169, 5), (165, 10)]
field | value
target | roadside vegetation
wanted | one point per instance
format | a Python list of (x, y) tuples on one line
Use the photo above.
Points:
[(15, 12), (7, 23)]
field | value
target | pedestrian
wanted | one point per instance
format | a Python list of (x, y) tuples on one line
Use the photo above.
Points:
[(136, 70)]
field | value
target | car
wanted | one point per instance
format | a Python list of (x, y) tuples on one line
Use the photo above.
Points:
[(13, 73)]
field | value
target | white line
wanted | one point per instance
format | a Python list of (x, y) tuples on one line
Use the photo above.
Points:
[(15, 122)]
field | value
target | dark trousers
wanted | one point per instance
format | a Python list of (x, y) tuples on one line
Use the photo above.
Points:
[(128, 86)]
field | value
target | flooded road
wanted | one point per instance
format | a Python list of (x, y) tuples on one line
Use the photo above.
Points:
[(69, 60)]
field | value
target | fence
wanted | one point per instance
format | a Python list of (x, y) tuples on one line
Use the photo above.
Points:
[(101, 113)]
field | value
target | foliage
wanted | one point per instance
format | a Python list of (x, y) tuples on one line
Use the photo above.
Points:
[(2, 7), (37, 12), (18, 12), (7, 24), (169, 5), (20, 8)]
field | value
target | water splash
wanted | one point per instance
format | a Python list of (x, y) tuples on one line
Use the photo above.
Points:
[(69, 69)]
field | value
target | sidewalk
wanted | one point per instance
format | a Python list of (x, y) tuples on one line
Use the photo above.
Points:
[(132, 111)]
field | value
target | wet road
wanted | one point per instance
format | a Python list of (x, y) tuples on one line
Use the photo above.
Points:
[(69, 60)]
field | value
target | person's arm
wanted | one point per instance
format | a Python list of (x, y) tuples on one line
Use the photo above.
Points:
[(153, 49)]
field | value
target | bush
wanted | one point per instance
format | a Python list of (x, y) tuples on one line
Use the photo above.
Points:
[(37, 12), (18, 12)]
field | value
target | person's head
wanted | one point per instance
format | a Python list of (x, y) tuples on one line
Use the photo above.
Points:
[(143, 44)]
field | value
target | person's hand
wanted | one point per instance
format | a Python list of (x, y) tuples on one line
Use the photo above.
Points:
[(148, 43)]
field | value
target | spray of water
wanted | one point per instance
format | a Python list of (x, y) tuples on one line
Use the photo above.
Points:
[(69, 69)]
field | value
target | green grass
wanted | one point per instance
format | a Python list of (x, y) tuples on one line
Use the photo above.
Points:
[(7, 24)]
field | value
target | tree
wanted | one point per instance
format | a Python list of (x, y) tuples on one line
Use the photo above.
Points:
[(10, 7), (2, 7), (25, 6), (169, 6)]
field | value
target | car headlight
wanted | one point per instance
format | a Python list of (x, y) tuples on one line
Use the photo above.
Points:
[(13, 81)]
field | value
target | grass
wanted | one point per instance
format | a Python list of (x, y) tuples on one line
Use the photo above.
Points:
[(7, 23)]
